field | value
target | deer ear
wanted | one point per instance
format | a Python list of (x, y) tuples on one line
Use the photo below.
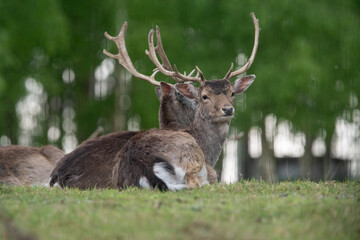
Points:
[(167, 90), (159, 93), (241, 84), (188, 90)]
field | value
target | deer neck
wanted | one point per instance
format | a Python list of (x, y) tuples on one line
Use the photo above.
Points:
[(209, 134)]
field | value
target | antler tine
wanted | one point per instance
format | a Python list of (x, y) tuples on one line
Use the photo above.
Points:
[(227, 75), (123, 56), (201, 74), (247, 65), (191, 73), (160, 50), (176, 75)]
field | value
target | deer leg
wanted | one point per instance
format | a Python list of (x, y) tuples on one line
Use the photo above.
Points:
[(211, 174), (193, 170), (191, 180)]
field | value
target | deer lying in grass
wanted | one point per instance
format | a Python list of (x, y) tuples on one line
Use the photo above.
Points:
[(90, 164), (130, 174), (175, 160), (20, 165)]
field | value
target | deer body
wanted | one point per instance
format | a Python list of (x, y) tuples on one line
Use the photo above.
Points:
[(145, 157), (20, 165), (188, 150), (91, 163)]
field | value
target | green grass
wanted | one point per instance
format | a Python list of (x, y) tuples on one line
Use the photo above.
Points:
[(246, 210)]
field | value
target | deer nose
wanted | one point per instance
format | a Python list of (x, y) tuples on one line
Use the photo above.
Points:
[(228, 111)]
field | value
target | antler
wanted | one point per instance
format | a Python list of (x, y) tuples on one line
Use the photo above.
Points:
[(231, 73), (124, 58), (165, 67)]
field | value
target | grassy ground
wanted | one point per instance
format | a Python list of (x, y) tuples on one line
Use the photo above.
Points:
[(246, 210)]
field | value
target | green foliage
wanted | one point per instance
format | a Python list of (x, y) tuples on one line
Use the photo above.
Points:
[(249, 209), (306, 65)]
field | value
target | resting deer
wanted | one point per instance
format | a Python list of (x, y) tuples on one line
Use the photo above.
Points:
[(20, 165), (64, 175), (90, 164), (177, 159)]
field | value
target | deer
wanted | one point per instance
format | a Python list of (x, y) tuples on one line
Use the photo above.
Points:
[(23, 165), (189, 94), (174, 160), (90, 164)]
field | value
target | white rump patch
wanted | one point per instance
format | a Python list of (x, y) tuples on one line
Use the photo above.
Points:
[(173, 182), (144, 183), (55, 185)]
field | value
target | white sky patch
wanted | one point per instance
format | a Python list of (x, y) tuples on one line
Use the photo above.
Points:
[(104, 83), (5, 140), (345, 142), (255, 147), (287, 143), (53, 134), (69, 140), (68, 76), (133, 123), (230, 161), (318, 148), (29, 110)]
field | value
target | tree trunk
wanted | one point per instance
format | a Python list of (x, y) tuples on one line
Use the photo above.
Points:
[(267, 166), (307, 160)]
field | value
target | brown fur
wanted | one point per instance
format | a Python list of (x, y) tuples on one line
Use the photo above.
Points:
[(207, 132), (20, 165), (90, 164), (137, 158)]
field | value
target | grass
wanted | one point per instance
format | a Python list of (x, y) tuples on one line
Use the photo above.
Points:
[(246, 210)]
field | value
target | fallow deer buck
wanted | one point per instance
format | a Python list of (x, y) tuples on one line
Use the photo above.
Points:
[(133, 174), (90, 164), (177, 159)]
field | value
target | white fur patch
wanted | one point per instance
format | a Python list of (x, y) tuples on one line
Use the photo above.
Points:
[(173, 182), (144, 183)]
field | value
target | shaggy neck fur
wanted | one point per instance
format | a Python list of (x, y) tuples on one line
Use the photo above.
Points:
[(210, 135)]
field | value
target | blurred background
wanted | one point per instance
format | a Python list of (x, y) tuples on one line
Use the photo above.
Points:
[(299, 119)]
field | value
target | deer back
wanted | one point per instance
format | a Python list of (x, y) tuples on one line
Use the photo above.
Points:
[(20, 165), (91, 163)]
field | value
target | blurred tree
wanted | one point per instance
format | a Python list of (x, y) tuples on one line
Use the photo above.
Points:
[(306, 65)]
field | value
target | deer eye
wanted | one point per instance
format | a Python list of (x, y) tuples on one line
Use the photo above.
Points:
[(204, 97), (232, 94)]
